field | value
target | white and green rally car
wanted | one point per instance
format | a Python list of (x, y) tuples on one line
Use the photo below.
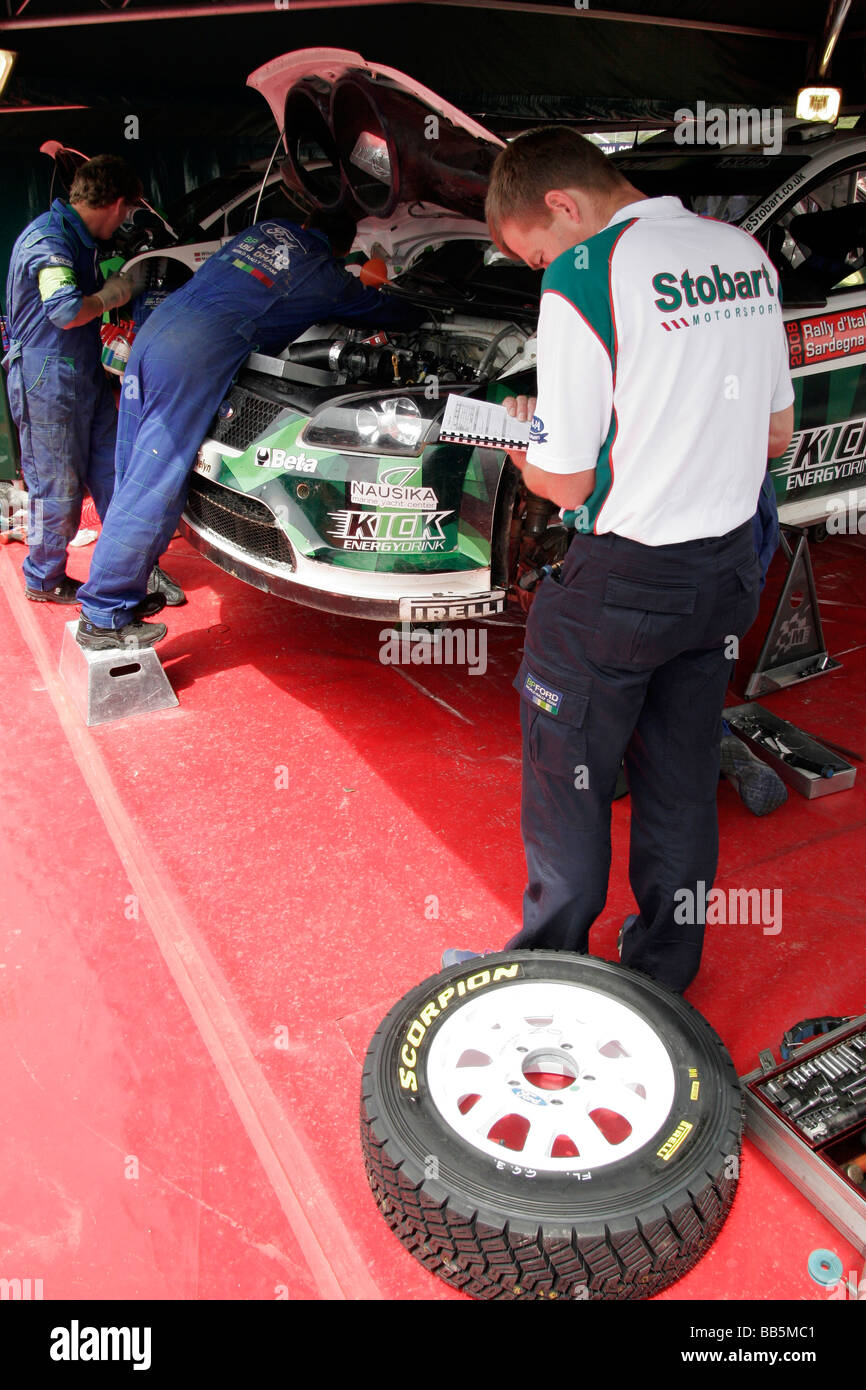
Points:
[(323, 478)]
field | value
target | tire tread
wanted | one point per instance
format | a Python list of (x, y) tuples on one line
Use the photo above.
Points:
[(636, 1258)]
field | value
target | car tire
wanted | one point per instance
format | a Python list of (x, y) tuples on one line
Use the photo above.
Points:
[(493, 1204)]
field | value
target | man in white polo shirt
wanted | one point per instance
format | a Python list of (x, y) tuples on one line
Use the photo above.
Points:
[(663, 386)]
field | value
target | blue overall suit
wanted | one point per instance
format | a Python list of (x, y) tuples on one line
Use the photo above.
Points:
[(258, 293), (59, 396)]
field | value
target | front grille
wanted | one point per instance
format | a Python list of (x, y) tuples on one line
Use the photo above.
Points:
[(244, 521), (251, 419)]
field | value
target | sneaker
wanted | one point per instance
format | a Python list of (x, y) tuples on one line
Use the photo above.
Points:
[(129, 638), (453, 956), (629, 921), (759, 787), (85, 536), (161, 583), (66, 592), (149, 607)]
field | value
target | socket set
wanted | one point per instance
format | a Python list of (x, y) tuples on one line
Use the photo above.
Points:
[(800, 760), (808, 1115), (825, 1095)]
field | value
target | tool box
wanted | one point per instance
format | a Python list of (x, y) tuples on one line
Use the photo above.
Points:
[(808, 1115), (798, 758)]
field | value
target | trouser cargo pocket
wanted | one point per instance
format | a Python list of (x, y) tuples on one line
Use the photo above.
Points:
[(554, 707)]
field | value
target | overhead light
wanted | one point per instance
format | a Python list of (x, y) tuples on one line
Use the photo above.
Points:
[(818, 103), (7, 63)]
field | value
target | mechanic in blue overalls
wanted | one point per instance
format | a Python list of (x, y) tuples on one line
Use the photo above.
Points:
[(259, 292), (59, 395)]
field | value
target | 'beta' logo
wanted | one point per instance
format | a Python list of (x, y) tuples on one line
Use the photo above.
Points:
[(278, 458)]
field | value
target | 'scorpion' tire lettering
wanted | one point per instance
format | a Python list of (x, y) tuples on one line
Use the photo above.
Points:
[(621, 1203)]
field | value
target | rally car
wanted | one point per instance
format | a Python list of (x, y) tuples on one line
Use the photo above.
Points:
[(324, 479)]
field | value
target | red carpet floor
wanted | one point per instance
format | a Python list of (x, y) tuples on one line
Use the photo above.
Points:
[(207, 911)]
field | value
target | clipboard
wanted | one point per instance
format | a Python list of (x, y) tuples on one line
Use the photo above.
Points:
[(483, 423)]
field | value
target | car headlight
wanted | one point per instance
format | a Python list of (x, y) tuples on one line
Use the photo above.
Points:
[(400, 424)]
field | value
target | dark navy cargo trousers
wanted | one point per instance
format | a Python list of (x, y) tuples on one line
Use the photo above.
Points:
[(628, 657)]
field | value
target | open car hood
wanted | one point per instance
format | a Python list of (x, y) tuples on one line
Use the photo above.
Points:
[(367, 139)]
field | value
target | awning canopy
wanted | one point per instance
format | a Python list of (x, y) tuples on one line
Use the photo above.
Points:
[(518, 59)]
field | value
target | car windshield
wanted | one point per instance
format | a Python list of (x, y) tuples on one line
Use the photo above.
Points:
[(711, 182), (201, 203), (821, 239)]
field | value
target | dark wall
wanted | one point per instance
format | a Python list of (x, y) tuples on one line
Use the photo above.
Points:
[(468, 54), (175, 151), (184, 80)]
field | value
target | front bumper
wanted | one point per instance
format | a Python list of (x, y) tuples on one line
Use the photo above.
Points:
[(277, 568)]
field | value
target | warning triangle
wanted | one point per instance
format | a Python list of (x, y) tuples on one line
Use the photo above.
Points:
[(794, 648)]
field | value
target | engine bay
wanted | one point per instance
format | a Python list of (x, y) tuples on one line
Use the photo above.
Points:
[(464, 351)]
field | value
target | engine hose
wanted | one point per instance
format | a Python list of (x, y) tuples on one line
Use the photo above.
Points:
[(314, 353), (359, 361), (490, 352)]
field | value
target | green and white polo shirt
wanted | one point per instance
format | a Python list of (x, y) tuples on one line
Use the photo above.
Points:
[(661, 355)]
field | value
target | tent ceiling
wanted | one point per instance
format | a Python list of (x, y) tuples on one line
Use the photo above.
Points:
[(777, 17), (503, 59)]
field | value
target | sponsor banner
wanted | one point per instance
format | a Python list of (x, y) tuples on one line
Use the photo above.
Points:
[(264, 253), (537, 433), (823, 454), (437, 610), (208, 467), (281, 458), (390, 532), (383, 494), (392, 489), (673, 1142), (826, 336), (282, 234), (717, 287), (761, 213), (544, 696)]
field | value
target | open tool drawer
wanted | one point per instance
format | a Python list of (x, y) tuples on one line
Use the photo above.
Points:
[(808, 1115)]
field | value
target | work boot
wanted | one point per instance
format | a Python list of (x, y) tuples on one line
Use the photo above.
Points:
[(66, 592), (161, 583), (759, 787), (129, 638)]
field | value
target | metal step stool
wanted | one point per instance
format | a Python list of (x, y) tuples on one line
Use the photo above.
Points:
[(115, 684)]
